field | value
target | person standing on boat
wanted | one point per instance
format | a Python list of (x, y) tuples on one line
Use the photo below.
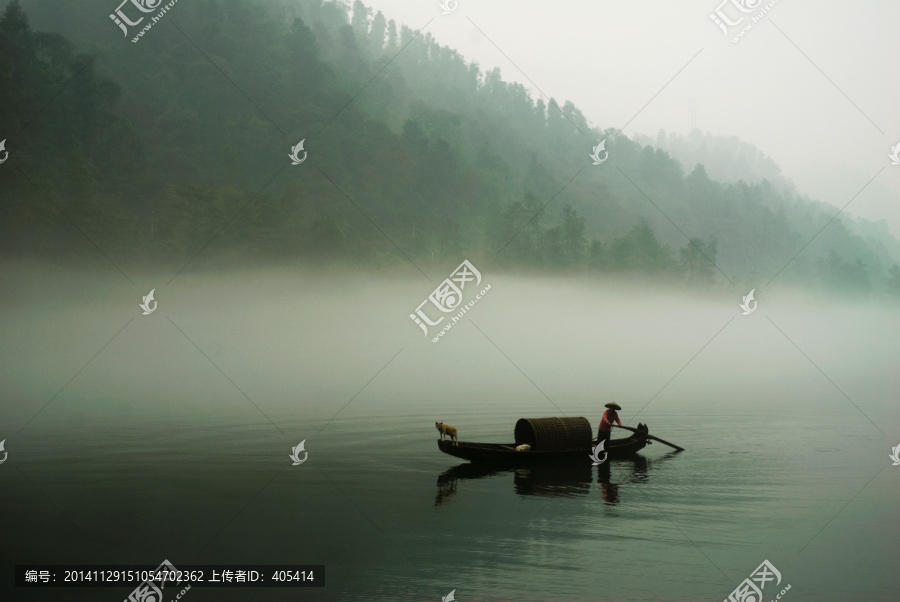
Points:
[(609, 416)]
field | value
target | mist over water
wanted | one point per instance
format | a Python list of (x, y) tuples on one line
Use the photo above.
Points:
[(177, 433), (582, 342)]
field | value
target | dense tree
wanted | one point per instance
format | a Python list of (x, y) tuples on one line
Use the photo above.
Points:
[(376, 35), (893, 282), (698, 259), (640, 250)]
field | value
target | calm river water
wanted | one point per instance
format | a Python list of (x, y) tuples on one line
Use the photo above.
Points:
[(132, 439)]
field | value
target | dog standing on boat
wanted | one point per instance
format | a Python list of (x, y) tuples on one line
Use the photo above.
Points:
[(446, 429)]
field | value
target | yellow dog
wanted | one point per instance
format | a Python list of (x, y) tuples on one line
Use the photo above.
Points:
[(446, 429)]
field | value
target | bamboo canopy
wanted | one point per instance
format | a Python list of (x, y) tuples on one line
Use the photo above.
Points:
[(554, 434)]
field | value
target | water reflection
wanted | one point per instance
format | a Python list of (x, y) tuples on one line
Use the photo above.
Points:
[(555, 480), (608, 490), (561, 480), (610, 493)]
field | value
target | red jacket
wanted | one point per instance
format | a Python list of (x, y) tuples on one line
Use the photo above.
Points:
[(608, 417)]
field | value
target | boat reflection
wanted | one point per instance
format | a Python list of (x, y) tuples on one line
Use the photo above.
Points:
[(563, 480), (554, 480)]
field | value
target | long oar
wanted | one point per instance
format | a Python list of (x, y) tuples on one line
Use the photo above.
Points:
[(628, 428)]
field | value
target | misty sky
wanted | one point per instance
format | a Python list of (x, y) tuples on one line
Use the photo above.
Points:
[(611, 58)]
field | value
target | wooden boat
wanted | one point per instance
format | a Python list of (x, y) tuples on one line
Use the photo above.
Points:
[(551, 440)]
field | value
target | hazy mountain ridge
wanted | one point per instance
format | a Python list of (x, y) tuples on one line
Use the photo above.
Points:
[(729, 159), (444, 159), (725, 158)]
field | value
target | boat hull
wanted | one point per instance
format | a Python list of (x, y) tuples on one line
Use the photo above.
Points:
[(506, 454)]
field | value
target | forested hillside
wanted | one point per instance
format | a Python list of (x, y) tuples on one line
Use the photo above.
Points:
[(729, 159), (150, 149)]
